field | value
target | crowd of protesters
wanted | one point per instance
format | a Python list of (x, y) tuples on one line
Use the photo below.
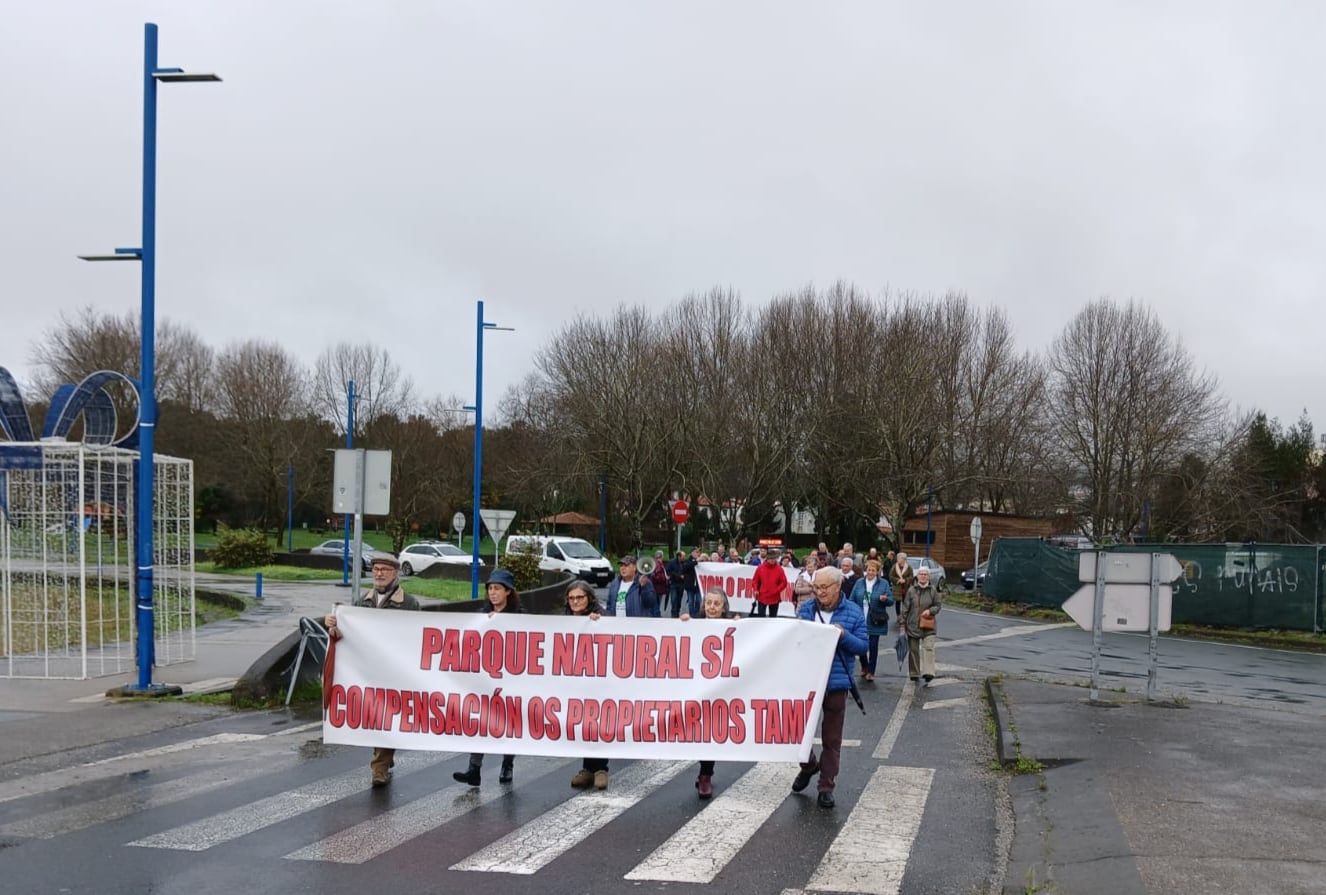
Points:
[(848, 590)]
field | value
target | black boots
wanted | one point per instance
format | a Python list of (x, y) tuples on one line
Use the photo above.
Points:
[(469, 776)]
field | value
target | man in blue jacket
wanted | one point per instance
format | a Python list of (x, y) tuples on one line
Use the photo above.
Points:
[(830, 608), (629, 594)]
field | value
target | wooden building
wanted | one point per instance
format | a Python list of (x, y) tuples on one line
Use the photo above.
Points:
[(950, 536)]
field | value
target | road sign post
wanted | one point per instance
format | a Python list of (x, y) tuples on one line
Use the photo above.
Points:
[(497, 521), (976, 541), (458, 525), (1124, 592), (361, 484), (681, 511)]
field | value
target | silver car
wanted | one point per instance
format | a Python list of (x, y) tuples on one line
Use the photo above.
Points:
[(337, 548)]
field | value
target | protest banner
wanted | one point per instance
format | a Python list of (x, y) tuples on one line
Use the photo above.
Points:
[(737, 581), (567, 686)]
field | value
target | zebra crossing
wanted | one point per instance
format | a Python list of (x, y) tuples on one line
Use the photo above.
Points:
[(703, 846)]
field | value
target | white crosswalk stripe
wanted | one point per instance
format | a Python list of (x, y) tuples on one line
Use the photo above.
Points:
[(703, 849), (114, 766), (888, 816), (203, 834), (156, 795), (724, 826), (556, 832), (380, 834)]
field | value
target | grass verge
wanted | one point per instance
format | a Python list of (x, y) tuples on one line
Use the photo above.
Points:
[(1295, 640)]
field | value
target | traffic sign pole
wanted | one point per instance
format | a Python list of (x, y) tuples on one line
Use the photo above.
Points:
[(1154, 630), (1097, 611), (976, 540), (681, 511)]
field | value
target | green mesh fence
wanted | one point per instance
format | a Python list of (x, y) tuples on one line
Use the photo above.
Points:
[(1227, 585)]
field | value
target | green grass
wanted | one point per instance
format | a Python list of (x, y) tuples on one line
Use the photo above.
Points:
[(275, 573), (438, 588), (435, 588), (304, 539)]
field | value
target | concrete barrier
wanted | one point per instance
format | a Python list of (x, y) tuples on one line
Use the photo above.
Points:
[(268, 679)]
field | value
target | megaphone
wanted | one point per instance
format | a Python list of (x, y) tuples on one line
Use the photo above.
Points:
[(646, 565)]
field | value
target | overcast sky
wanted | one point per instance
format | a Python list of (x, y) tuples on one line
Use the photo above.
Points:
[(368, 170)]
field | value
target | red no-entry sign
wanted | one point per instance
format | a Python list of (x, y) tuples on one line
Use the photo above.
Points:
[(680, 512)]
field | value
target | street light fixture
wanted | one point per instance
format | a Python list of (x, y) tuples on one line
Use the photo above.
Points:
[(145, 253), (477, 407)]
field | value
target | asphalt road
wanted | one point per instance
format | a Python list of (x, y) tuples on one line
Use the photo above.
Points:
[(1221, 796), (255, 802)]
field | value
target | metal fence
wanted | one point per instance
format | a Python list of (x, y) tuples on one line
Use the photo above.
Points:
[(66, 560), (1226, 585)]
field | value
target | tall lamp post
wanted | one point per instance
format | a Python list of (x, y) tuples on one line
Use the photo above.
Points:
[(477, 407), (146, 255)]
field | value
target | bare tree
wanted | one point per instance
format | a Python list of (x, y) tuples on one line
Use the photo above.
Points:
[(603, 378), (1127, 403), (261, 395), (187, 368), (380, 387), (90, 340)]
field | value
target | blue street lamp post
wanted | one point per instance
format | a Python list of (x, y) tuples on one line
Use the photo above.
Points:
[(146, 254), (290, 507), (349, 444), (478, 441)]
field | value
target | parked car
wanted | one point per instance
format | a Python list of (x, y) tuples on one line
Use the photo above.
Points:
[(561, 554), (417, 557), (975, 578), (337, 548), (937, 576)]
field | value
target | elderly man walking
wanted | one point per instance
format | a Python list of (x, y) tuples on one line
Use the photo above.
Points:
[(830, 608), (385, 593)]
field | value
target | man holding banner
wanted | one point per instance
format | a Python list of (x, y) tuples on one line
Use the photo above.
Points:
[(830, 608)]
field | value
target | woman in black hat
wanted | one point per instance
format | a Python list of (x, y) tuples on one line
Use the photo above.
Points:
[(502, 597)]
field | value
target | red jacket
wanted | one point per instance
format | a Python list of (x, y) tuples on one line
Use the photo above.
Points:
[(770, 582)]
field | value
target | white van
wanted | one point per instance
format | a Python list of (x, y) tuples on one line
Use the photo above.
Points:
[(565, 554)]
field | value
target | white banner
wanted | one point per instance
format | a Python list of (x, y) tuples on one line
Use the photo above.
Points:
[(745, 690), (738, 582)]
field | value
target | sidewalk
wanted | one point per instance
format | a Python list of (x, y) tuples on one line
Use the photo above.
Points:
[(40, 716), (1135, 798)]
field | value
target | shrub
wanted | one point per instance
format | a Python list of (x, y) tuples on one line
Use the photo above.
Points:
[(241, 548), (524, 567)]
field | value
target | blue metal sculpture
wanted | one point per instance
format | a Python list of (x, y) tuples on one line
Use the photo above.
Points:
[(88, 399)]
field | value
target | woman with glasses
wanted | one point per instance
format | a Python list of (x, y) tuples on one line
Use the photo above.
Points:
[(714, 606), (580, 600)]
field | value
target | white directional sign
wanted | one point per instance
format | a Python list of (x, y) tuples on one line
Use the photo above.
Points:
[(458, 522), (1128, 568), (1127, 607), (976, 529)]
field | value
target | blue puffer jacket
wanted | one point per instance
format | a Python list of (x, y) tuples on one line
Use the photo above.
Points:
[(641, 602), (852, 643)]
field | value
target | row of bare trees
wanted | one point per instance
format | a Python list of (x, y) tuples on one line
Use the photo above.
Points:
[(831, 401), (850, 405)]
